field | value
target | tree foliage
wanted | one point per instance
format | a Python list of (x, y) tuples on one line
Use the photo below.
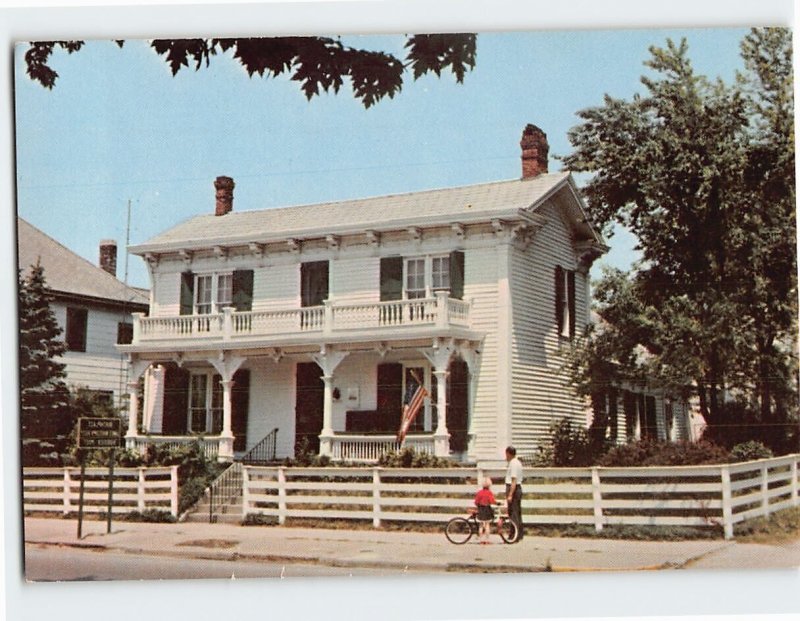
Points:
[(702, 173), (318, 64), (44, 397)]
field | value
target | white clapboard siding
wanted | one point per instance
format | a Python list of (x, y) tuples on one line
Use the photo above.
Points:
[(101, 367), (696, 496), (276, 287), (134, 489), (355, 280), (271, 404), (480, 288), (540, 387)]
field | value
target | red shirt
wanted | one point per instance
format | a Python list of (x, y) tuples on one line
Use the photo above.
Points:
[(484, 497)]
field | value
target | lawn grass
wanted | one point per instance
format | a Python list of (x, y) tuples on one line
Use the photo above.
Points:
[(780, 527)]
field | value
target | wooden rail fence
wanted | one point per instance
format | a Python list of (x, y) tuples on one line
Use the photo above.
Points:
[(135, 489), (698, 496)]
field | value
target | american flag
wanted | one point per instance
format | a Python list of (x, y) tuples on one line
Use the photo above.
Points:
[(413, 403)]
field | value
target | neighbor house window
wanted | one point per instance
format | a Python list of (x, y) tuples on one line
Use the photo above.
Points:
[(75, 337), (124, 333)]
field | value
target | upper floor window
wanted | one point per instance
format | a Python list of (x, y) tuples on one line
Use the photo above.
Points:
[(420, 277), (75, 333), (205, 294), (313, 283), (565, 302)]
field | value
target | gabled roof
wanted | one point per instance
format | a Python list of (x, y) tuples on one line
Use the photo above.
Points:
[(68, 273), (464, 204)]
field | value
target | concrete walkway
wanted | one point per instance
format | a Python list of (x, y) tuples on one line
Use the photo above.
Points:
[(418, 551)]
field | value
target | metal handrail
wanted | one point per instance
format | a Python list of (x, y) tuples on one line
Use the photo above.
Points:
[(225, 488), (264, 450)]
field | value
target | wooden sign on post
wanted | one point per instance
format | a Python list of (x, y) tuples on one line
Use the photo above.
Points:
[(98, 434)]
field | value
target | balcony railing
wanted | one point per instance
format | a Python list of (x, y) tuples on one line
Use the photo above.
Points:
[(327, 320)]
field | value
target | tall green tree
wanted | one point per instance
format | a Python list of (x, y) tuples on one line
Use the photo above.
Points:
[(316, 63), (44, 397), (702, 173)]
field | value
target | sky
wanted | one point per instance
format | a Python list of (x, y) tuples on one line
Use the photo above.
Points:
[(118, 128)]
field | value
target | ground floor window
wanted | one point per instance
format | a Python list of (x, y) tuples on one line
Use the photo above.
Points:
[(205, 403)]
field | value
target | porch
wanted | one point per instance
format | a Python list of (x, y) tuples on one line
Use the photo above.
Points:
[(345, 447), (345, 404), (331, 319)]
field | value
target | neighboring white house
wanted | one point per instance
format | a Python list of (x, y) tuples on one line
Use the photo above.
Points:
[(92, 307), (316, 319)]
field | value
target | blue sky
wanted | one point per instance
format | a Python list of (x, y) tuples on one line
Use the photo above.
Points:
[(118, 127)]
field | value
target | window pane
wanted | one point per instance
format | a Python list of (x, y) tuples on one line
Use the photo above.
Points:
[(440, 273), (197, 403), (203, 294), (77, 319), (224, 290), (415, 278)]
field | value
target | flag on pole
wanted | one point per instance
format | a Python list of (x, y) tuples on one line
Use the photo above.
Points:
[(412, 405)]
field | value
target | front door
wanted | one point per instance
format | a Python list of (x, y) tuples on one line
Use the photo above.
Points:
[(309, 402)]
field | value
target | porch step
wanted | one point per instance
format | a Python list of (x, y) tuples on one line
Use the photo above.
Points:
[(229, 514)]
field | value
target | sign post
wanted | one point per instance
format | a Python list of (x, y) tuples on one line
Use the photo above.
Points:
[(98, 434)]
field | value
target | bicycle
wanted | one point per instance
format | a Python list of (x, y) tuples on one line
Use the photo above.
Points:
[(459, 530)]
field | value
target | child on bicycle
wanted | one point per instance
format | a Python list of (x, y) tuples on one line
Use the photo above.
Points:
[(484, 500)]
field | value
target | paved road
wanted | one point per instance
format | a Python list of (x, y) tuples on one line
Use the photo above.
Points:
[(46, 563)]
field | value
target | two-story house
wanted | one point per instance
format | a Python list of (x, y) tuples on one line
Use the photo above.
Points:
[(318, 320), (93, 308)]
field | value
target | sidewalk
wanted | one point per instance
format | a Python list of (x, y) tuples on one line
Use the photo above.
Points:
[(418, 551)]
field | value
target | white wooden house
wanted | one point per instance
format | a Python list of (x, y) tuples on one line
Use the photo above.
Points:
[(93, 308), (314, 320)]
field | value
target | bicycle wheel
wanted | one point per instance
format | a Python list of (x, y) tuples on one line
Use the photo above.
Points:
[(508, 531), (458, 531)]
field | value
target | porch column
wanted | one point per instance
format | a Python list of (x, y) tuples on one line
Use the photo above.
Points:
[(439, 356), (327, 360), (136, 368), (226, 365), (441, 438)]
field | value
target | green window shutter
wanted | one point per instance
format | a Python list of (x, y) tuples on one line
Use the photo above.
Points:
[(243, 290), (240, 399), (559, 294), (457, 274), (187, 293), (571, 302), (391, 278)]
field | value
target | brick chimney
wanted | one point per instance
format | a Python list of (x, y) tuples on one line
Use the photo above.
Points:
[(534, 151), (108, 256), (224, 195)]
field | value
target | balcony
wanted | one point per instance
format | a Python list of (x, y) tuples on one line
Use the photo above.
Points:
[(331, 321)]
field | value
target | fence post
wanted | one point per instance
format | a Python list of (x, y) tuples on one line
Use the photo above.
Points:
[(764, 489), (245, 491), (597, 500), (795, 483), (173, 500), (281, 495), (68, 492), (727, 504), (376, 497), (140, 490)]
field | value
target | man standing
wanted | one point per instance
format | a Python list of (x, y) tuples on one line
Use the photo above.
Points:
[(514, 489)]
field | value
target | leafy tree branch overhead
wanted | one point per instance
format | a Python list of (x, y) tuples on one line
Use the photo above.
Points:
[(318, 64)]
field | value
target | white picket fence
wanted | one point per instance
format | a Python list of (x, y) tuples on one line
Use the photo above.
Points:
[(700, 496), (134, 489)]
